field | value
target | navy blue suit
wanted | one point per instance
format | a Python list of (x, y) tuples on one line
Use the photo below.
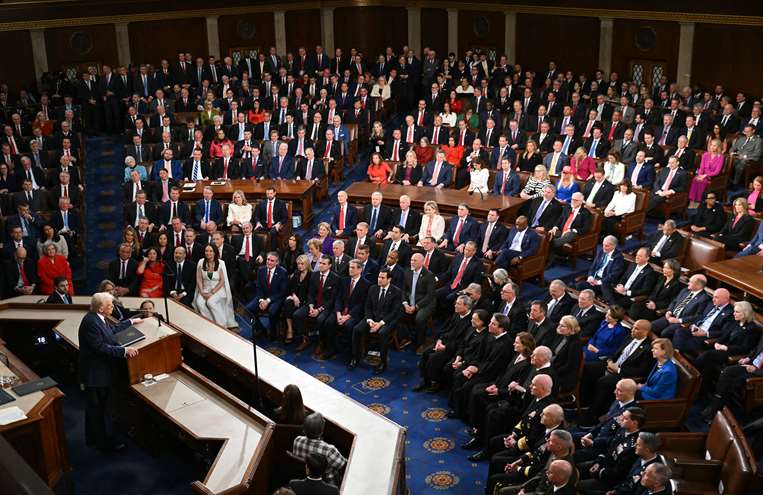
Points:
[(529, 246), (682, 338), (512, 184), (645, 175), (469, 232), (350, 219), (287, 168), (444, 177), (275, 291), (97, 353), (611, 274), (215, 212), (177, 169), (496, 157), (691, 311), (371, 271), (346, 304)]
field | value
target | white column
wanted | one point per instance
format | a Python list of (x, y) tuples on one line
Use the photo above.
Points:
[(685, 51), (452, 33), (39, 52), (510, 36), (213, 37), (327, 30), (605, 44), (279, 18), (123, 43), (414, 30)]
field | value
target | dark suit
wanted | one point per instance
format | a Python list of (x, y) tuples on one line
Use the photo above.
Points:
[(548, 217), (182, 211), (12, 275), (215, 213), (512, 184), (444, 176), (286, 169), (432, 363), (469, 231), (37, 203), (350, 220), (317, 298), (97, 353), (645, 176), (388, 310), (412, 221), (691, 311), (275, 290), (383, 220), (529, 246), (678, 184), (403, 250), (588, 320), (472, 274), (564, 306), (603, 196), (424, 299), (183, 282), (670, 249), (308, 486), (642, 285), (497, 237), (611, 273), (130, 281), (517, 314)]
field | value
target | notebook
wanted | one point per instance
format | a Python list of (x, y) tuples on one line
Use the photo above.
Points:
[(129, 336), (43, 383)]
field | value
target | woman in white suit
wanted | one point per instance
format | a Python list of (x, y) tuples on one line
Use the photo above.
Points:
[(432, 223), (213, 297)]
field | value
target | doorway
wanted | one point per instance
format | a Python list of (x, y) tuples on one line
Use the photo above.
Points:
[(647, 72)]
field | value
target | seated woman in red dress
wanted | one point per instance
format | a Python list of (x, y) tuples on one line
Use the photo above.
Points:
[(150, 269), (424, 154), (50, 266), (378, 170)]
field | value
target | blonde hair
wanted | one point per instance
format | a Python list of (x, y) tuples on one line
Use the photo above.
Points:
[(432, 205), (240, 193)]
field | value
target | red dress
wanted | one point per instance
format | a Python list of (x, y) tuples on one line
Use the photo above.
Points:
[(424, 154), (379, 174), (48, 270), (151, 284)]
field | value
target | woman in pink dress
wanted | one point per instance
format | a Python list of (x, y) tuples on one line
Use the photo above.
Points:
[(710, 166), (755, 198)]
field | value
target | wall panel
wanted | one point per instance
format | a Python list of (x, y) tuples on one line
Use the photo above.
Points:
[(434, 31), (644, 40), (481, 29), (572, 42), (151, 41), (370, 29), (250, 30), (729, 56), (65, 46), (303, 28), (16, 66)]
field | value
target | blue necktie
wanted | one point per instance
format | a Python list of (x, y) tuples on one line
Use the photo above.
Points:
[(539, 213), (206, 210), (66, 219), (413, 288), (592, 151), (373, 221)]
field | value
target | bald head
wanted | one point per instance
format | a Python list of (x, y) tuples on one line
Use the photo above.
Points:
[(559, 472), (541, 386)]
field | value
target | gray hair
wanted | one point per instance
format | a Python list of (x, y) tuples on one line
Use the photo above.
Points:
[(473, 287), (661, 473), (564, 437), (466, 301), (337, 243), (99, 299), (649, 440), (746, 309), (313, 425), (610, 239), (501, 276)]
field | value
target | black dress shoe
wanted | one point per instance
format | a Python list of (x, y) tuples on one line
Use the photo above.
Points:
[(352, 364), (421, 387), (473, 443), (379, 369), (479, 456)]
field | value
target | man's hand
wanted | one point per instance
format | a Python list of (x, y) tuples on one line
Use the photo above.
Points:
[(612, 367), (510, 441), (313, 312), (131, 352), (492, 389), (620, 289), (586, 441)]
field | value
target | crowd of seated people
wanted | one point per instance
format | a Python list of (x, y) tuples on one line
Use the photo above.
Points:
[(572, 148)]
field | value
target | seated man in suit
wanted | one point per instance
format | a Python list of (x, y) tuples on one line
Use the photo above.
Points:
[(308, 168), (544, 211), (122, 271), (511, 306), (558, 303), (282, 165), (398, 244), (555, 160), (16, 240), (506, 180), (20, 274), (362, 237), (437, 173), (502, 152), (321, 297), (248, 254), (180, 280), (666, 243), (641, 172), (575, 220), (492, 235), (96, 358), (227, 167), (195, 168), (627, 148), (344, 217), (370, 267), (406, 217), (269, 293), (376, 215), (60, 294), (173, 167), (271, 216), (521, 242), (589, 318), (348, 309), (446, 345), (315, 464), (686, 307), (30, 222), (607, 266), (465, 269), (341, 263), (671, 180), (207, 209), (382, 310), (707, 324), (174, 208), (637, 280), (462, 229), (598, 191), (35, 198)]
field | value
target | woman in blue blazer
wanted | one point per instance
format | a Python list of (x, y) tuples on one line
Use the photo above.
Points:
[(609, 336), (663, 380)]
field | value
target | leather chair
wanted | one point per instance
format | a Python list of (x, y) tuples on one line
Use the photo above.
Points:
[(700, 251), (532, 266), (352, 149), (719, 461), (633, 223), (585, 243), (671, 413), (677, 203)]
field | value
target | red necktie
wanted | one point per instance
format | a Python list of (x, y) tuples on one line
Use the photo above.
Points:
[(503, 185), (328, 149), (459, 275), (395, 152), (341, 217), (434, 135), (611, 132), (225, 168), (426, 260), (22, 272), (66, 191), (569, 221), (267, 280), (319, 295), (248, 249), (270, 214), (457, 235), (177, 239)]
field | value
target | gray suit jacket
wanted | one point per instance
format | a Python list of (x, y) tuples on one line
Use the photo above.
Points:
[(751, 149), (627, 155)]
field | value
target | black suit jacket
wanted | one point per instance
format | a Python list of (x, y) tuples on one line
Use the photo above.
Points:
[(425, 287), (403, 250), (498, 354), (388, 310), (497, 236), (11, 275), (438, 263), (342, 267), (384, 217), (644, 282), (549, 216), (603, 195), (582, 222), (472, 273), (38, 202), (354, 305), (566, 360), (517, 316), (412, 221), (672, 247), (329, 288), (312, 487), (561, 308), (640, 362), (131, 277), (544, 333), (187, 279), (589, 321)]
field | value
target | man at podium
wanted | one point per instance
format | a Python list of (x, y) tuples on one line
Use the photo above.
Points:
[(98, 351)]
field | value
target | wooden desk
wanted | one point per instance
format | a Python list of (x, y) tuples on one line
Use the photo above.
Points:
[(447, 199), (743, 273), (300, 191), (40, 438), (376, 464)]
